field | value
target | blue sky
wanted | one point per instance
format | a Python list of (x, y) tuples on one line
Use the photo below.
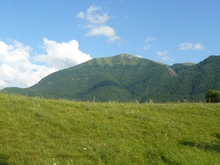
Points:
[(40, 37)]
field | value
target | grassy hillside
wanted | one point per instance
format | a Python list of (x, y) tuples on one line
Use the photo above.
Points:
[(49, 132)]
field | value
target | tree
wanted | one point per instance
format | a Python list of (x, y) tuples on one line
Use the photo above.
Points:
[(213, 96)]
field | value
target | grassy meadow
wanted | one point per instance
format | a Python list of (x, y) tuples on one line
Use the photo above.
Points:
[(58, 132)]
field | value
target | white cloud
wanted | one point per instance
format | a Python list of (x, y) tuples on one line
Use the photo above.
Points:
[(96, 18), (92, 15), (164, 55), (96, 22), (62, 55), (81, 15), (18, 68), (103, 30), (139, 56), (190, 46), (150, 39)]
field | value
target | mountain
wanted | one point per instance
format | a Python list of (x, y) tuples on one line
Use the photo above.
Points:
[(127, 78)]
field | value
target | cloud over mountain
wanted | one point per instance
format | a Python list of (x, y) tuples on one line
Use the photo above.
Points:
[(21, 69), (62, 55)]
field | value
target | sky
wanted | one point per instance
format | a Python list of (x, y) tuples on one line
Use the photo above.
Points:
[(39, 37)]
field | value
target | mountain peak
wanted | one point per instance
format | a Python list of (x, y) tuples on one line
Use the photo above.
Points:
[(126, 55), (121, 59)]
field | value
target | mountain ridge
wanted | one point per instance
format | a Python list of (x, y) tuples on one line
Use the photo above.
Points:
[(128, 78)]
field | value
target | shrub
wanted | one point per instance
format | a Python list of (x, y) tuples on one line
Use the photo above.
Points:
[(213, 96)]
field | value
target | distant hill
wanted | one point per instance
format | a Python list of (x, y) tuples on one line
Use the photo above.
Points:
[(128, 78)]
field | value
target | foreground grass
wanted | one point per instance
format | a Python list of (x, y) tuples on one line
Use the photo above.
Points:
[(39, 131)]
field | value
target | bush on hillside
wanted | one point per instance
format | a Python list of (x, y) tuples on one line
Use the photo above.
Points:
[(213, 96)]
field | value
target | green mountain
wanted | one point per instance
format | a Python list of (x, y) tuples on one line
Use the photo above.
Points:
[(128, 78)]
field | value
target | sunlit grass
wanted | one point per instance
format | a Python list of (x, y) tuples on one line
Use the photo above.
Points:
[(40, 131)]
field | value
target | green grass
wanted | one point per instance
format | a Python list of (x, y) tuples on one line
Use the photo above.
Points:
[(39, 131)]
